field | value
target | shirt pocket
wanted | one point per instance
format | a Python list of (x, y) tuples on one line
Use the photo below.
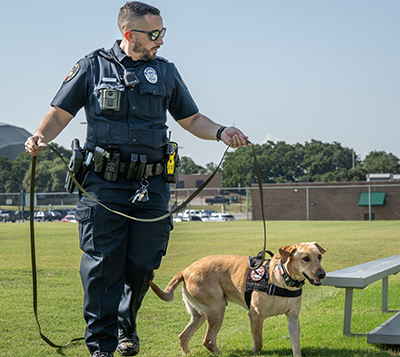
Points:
[(109, 99), (152, 100)]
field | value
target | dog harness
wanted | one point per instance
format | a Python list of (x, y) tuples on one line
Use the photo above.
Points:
[(258, 280)]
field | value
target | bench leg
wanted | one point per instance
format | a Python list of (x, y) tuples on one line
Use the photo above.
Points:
[(348, 306), (385, 294)]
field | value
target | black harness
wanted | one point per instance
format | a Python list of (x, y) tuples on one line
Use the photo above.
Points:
[(257, 279)]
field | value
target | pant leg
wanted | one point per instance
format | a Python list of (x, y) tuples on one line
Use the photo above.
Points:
[(144, 256), (103, 240), (147, 245)]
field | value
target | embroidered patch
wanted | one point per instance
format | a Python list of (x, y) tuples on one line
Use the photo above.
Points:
[(257, 274), (72, 73), (151, 75)]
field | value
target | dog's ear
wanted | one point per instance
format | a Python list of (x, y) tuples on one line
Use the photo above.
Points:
[(321, 250), (285, 252)]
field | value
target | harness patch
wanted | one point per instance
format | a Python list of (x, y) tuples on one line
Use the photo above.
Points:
[(257, 275)]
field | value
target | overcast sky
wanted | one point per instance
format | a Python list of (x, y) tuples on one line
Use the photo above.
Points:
[(292, 70)]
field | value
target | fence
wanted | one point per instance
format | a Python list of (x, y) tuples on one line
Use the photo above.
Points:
[(312, 201)]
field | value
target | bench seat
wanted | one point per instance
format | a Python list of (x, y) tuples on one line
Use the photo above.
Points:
[(387, 333), (360, 276)]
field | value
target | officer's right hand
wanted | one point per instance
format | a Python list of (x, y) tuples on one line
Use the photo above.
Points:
[(32, 144)]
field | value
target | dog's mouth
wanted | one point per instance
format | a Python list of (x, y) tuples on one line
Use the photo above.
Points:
[(312, 281)]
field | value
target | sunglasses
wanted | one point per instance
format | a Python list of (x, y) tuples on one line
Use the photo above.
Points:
[(154, 35)]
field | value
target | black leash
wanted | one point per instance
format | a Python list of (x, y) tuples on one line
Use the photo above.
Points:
[(33, 260), (177, 209)]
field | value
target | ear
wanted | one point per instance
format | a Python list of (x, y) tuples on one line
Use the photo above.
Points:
[(321, 250), (285, 252), (128, 36)]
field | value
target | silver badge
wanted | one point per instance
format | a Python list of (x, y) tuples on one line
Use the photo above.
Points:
[(151, 75)]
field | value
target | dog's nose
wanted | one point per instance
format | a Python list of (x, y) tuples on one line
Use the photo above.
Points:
[(321, 274)]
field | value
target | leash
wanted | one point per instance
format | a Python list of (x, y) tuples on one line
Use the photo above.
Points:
[(33, 260), (177, 209)]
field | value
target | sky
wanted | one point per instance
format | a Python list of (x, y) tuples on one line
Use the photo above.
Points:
[(280, 70)]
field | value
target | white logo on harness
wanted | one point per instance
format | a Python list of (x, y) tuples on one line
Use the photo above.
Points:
[(151, 75), (257, 274)]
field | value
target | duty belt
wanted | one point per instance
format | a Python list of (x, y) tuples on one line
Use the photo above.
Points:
[(107, 161)]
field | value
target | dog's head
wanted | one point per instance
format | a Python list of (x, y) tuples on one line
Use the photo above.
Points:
[(304, 260)]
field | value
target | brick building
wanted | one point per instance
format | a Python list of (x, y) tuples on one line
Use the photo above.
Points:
[(328, 201)]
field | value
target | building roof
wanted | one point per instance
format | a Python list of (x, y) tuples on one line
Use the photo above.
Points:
[(12, 139)]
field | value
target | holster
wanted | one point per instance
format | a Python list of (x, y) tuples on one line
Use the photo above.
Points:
[(75, 166)]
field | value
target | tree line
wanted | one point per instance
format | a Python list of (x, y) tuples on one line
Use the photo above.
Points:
[(279, 162)]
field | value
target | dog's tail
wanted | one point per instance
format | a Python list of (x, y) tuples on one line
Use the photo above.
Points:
[(168, 293)]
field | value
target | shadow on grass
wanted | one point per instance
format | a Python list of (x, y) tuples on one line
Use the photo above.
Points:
[(381, 351)]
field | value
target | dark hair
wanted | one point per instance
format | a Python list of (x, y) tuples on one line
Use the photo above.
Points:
[(134, 11)]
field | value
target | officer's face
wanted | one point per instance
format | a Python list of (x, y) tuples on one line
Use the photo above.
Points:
[(143, 48)]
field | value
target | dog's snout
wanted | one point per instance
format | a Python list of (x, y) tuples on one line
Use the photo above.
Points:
[(321, 274)]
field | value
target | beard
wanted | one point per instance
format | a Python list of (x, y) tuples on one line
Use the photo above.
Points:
[(143, 53)]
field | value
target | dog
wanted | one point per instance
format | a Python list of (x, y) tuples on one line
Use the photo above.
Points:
[(211, 282)]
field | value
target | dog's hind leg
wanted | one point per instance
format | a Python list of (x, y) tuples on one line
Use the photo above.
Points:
[(196, 320), (215, 316)]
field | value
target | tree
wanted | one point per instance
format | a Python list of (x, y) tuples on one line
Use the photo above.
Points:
[(189, 167), (381, 162)]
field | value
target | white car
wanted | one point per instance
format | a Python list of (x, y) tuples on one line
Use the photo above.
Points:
[(221, 217)]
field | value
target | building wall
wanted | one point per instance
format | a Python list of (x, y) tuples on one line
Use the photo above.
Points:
[(324, 201), (192, 182)]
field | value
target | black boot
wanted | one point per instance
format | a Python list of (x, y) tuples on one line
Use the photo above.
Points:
[(128, 345)]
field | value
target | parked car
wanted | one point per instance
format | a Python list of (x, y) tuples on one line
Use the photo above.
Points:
[(217, 199), (42, 216), (7, 215), (220, 217), (69, 218), (63, 212), (18, 215), (56, 216)]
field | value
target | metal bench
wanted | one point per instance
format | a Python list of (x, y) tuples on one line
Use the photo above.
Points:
[(360, 276)]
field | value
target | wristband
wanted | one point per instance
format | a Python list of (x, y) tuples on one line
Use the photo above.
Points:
[(219, 132)]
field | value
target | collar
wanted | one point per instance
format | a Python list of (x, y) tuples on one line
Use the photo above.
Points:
[(120, 55), (288, 280)]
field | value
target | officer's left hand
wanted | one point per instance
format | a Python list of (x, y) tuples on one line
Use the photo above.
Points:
[(234, 137)]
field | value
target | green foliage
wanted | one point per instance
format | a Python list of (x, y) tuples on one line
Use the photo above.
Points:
[(279, 162), (314, 161), (60, 293), (381, 162), (188, 167)]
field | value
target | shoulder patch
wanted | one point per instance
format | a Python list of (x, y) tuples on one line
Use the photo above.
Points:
[(72, 73)]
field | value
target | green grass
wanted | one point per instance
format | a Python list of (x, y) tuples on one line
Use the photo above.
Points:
[(159, 323)]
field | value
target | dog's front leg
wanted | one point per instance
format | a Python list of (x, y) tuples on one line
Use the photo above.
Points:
[(293, 324), (256, 325)]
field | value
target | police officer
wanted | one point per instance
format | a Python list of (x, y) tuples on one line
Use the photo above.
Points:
[(126, 92)]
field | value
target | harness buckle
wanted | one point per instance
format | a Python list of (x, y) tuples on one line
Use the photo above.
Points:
[(271, 289)]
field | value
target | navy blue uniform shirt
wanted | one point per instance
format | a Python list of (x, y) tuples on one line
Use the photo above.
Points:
[(137, 120)]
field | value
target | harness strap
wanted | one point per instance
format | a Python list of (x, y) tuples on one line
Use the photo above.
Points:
[(257, 280)]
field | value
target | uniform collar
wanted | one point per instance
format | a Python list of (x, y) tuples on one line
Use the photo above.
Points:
[(118, 52), (120, 55)]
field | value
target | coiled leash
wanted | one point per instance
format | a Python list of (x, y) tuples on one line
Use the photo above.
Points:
[(177, 209)]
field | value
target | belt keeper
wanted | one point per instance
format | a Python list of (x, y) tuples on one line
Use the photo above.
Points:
[(132, 168), (141, 168)]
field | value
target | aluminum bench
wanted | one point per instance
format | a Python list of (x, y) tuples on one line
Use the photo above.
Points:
[(360, 276)]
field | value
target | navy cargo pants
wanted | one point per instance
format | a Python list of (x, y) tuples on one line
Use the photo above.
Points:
[(119, 254)]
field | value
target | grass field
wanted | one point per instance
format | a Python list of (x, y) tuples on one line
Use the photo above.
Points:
[(159, 323)]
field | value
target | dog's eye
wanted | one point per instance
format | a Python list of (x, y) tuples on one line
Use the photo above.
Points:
[(320, 257), (307, 259)]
